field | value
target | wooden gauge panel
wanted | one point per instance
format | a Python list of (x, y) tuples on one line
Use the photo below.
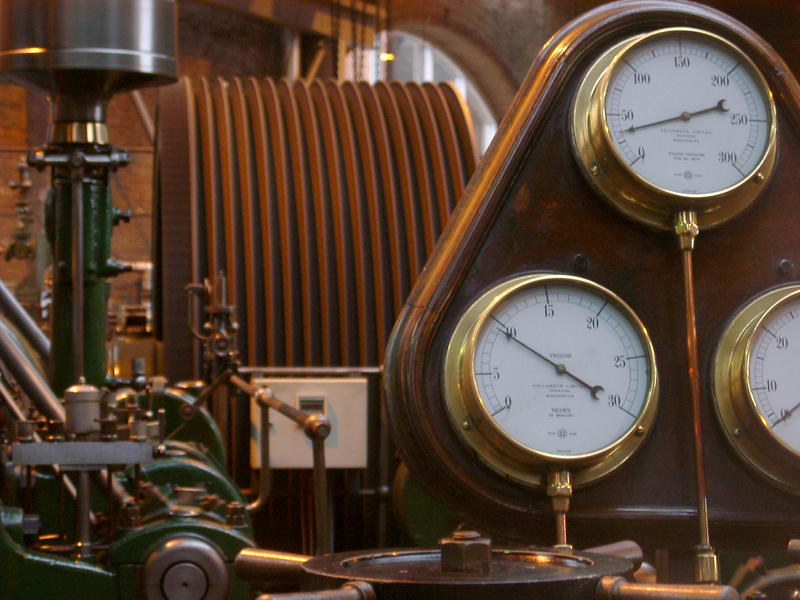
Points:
[(530, 207)]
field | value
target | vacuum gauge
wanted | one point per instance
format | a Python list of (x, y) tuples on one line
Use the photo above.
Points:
[(549, 371)]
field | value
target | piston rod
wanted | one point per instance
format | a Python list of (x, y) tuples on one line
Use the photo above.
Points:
[(76, 175)]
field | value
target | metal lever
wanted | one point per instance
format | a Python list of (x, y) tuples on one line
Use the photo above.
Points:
[(352, 590), (269, 566), (618, 588), (317, 427)]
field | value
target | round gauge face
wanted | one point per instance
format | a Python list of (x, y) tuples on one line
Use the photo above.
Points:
[(755, 381), (561, 369), (547, 371), (687, 112), (772, 376)]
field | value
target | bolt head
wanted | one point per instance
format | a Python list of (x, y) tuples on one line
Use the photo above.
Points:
[(466, 551)]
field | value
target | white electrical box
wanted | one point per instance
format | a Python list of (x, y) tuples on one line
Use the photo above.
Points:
[(342, 400)]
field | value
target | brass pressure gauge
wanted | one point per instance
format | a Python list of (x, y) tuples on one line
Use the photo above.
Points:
[(756, 378), (551, 371), (676, 119)]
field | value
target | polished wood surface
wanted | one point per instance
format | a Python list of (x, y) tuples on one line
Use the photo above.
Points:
[(529, 208)]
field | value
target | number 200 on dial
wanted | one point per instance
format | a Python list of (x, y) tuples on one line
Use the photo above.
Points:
[(551, 370)]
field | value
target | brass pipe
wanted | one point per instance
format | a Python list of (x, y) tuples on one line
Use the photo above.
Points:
[(706, 568)]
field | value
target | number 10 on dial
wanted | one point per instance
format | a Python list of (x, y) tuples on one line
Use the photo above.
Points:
[(551, 371)]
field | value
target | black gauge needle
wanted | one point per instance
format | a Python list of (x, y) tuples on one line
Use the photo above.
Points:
[(560, 369), (684, 116), (786, 415)]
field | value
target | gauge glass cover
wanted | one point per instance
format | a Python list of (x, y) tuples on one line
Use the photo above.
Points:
[(772, 377), (687, 112), (560, 369)]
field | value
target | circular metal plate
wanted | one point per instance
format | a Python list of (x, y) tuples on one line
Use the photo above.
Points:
[(515, 573)]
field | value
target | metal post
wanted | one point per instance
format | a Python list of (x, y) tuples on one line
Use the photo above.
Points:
[(76, 176), (83, 534), (321, 513)]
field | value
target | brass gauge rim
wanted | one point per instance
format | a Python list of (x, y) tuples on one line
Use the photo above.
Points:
[(748, 354), (631, 193), (495, 448), (748, 433)]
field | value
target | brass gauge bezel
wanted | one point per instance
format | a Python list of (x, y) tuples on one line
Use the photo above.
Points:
[(470, 417), (744, 426), (629, 192)]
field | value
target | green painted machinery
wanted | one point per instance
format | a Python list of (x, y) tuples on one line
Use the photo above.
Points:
[(106, 492)]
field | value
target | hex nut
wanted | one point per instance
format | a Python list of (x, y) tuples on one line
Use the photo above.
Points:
[(466, 552)]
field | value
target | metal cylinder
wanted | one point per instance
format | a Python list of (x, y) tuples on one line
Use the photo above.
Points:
[(352, 590), (626, 549), (83, 409), (618, 588), (269, 566), (117, 45)]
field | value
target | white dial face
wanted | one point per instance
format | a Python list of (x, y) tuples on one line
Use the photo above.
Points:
[(688, 113), (561, 369), (773, 377)]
